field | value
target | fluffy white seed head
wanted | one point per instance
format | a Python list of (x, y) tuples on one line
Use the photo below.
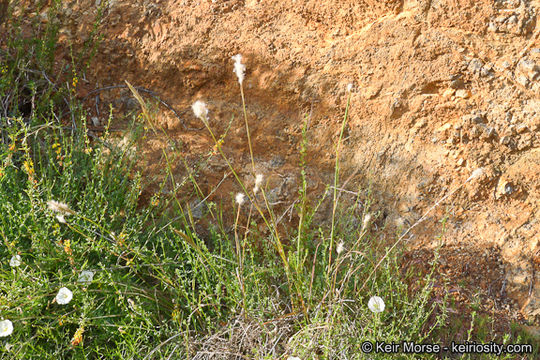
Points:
[(340, 247), (6, 328), (240, 199), (200, 110), (59, 207), (376, 304), (259, 179), (61, 218), (476, 173), (64, 296), (258, 182), (366, 222), (349, 87), (15, 261), (239, 68)]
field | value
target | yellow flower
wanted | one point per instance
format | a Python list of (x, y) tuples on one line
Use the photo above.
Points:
[(29, 167), (67, 247), (77, 337)]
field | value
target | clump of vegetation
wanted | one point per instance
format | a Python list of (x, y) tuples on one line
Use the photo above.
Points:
[(87, 271)]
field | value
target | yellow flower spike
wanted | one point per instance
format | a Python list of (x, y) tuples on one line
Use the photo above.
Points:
[(29, 167), (67, 247), (78, 336)]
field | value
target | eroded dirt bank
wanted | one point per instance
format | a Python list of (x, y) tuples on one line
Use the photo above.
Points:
[(441, 88)]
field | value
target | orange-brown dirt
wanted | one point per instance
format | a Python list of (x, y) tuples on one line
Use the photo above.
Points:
[(440, 88)]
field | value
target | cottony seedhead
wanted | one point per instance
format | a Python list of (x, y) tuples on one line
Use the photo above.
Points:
[(340, 247), (476, 173), (258, 182), (200, 110), (366, 222), (240, 199), (59, 207), (239, 68), (349, 87)]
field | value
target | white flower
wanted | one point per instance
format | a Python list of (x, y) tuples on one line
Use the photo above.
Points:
[(349, 87), (376, 304), (86, 276), (366, 222), (64, 296), (476, 173), (293, 358), (340, 247), (240, 199), (258, 181), (200, 110), (61, 218), (239, 68), (59, 207), (15, 261), (6, 328)]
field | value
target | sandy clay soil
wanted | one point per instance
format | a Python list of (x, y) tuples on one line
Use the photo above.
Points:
[(440, 88)]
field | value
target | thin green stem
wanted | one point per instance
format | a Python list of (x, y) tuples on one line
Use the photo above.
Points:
[(247, 128), (336, 181)]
